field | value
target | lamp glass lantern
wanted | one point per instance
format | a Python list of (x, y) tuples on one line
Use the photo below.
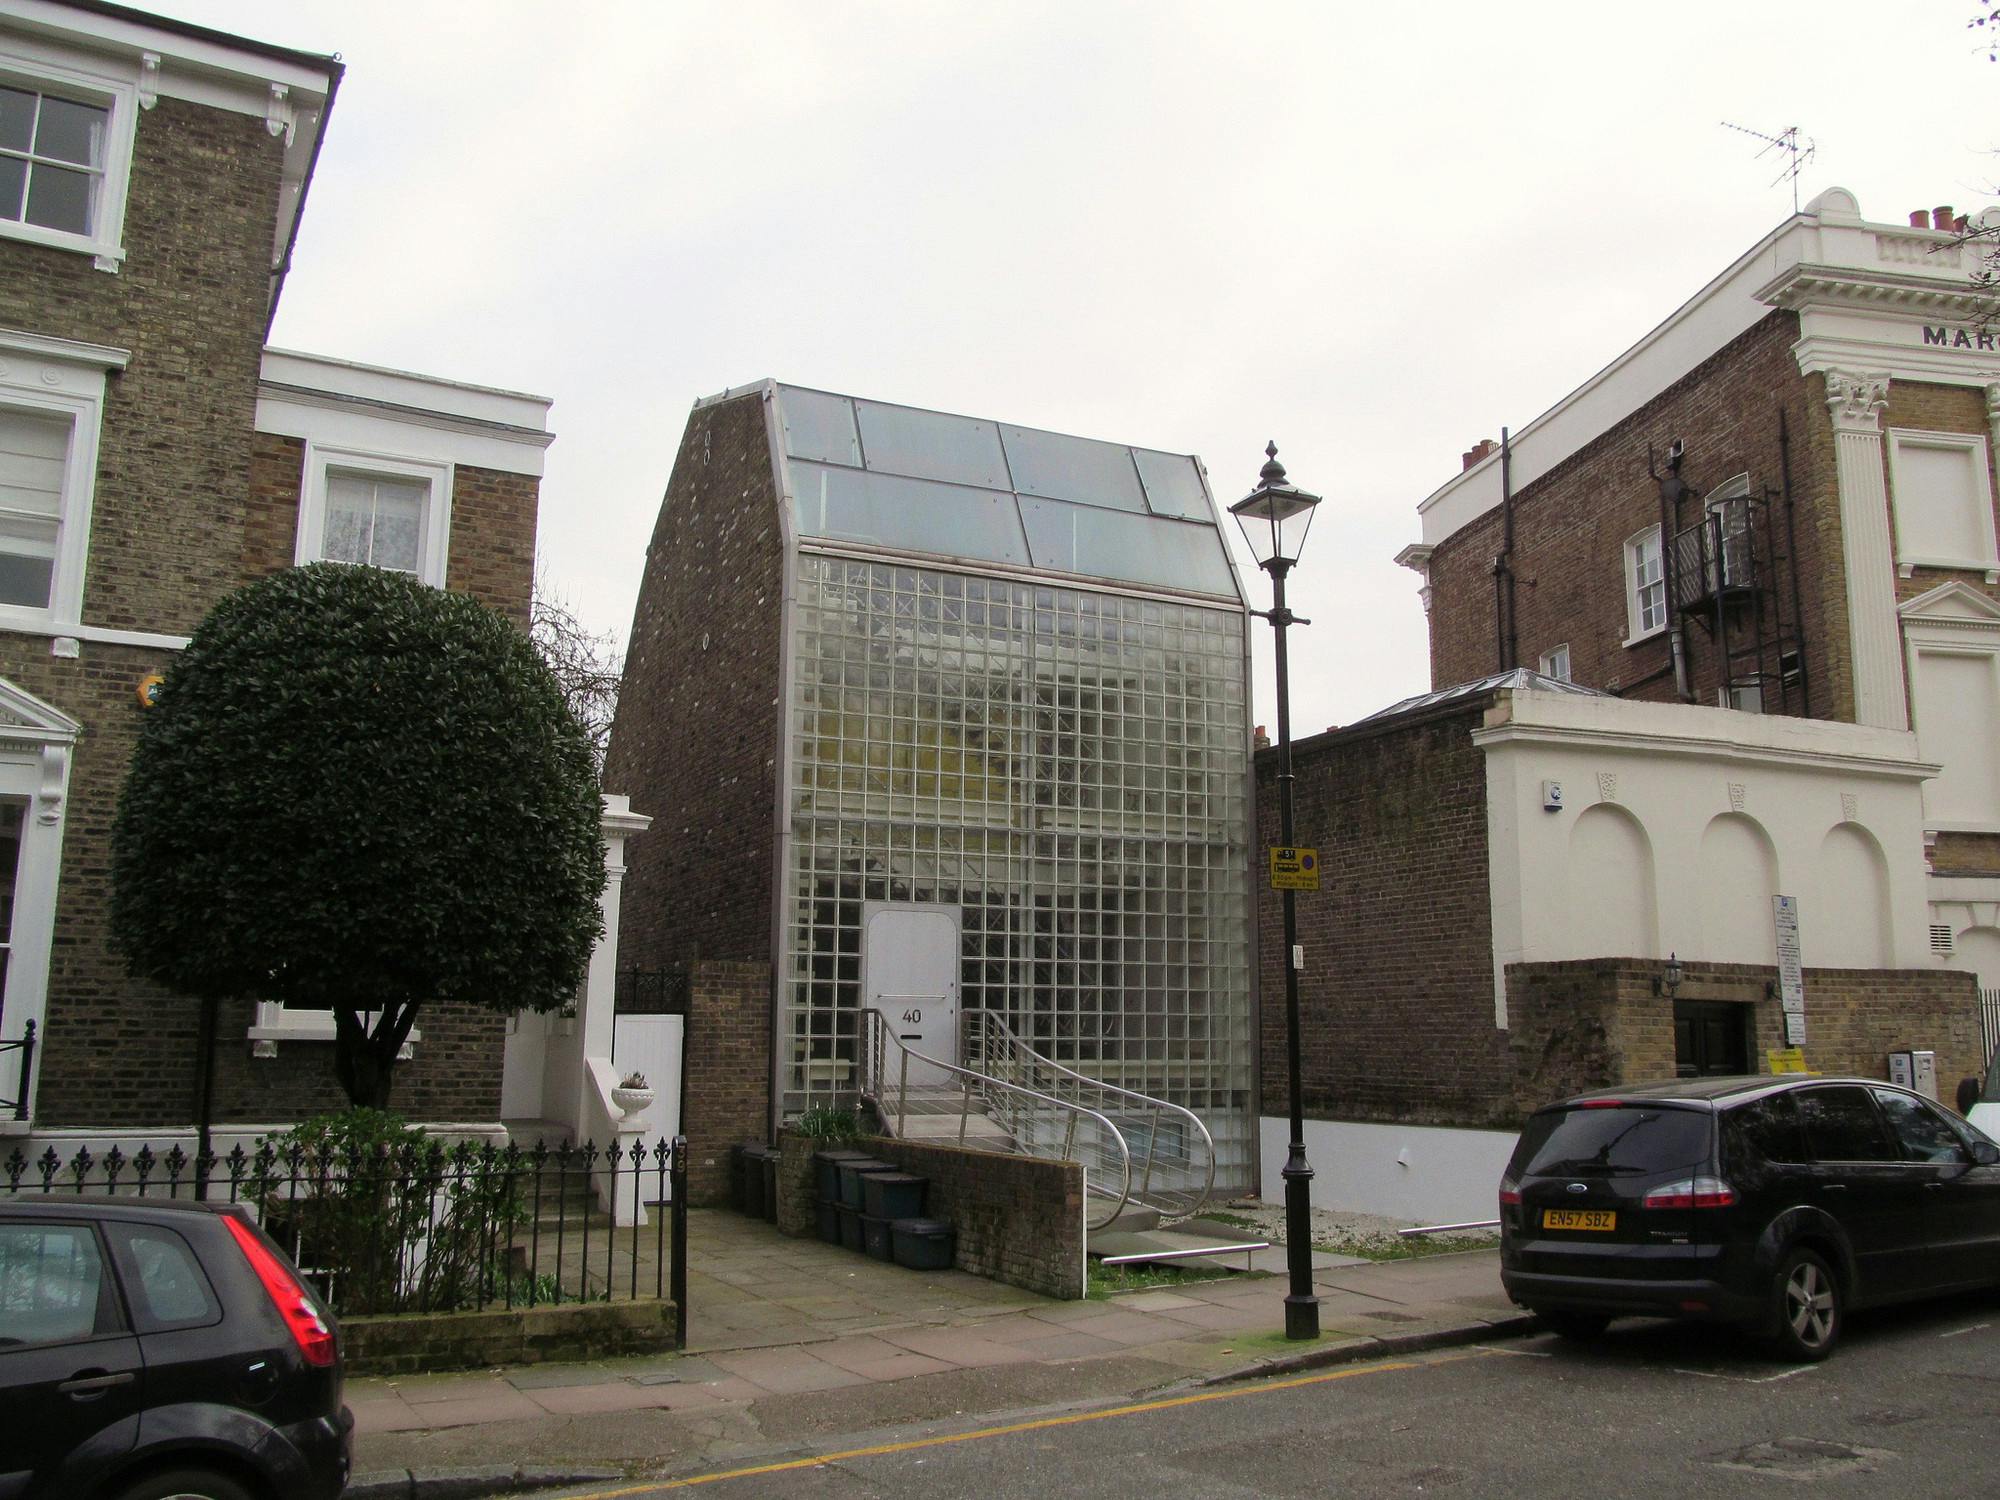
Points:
[(1275, 517)]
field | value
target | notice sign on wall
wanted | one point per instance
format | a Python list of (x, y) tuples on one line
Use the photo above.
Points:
[(1294, 869), (1791, 968)]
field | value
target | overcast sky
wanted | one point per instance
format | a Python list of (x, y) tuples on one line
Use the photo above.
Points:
[(1375, 238)]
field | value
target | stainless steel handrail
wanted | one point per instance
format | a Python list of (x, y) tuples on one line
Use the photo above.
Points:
[(873, 1064), (987, 1020)]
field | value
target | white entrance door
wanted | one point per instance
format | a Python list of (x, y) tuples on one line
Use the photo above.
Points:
[(909, 972)]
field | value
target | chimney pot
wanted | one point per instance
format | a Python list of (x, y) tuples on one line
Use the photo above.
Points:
[(1920, 218), (1941, 216)]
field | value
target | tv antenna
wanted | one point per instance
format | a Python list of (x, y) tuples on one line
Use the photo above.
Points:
[(1786, 141)]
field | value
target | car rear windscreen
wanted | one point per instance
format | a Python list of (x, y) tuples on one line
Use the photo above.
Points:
[(1619, 1141)]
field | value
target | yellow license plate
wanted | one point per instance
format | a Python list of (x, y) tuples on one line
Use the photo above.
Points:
[(1579, 1218)]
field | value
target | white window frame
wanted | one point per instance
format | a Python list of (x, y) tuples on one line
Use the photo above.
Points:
[(434, 545), (1636, 629), (275, 1023), (55, 377), (1555, 663), (1973, 444), (22, 66)]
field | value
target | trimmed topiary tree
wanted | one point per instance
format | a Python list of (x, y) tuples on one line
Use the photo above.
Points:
[(359, 792)]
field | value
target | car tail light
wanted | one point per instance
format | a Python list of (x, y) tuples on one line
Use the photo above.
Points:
[(1510, 1193), (287, 1294), (1692, 1192), (1602, 1104)]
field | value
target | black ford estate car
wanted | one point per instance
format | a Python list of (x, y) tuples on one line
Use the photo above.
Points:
[(152, 1348), (1775, 1204)]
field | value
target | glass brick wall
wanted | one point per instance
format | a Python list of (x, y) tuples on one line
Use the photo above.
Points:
[(1069, 770)]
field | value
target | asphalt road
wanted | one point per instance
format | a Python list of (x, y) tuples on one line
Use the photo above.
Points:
[(1908, 1407)]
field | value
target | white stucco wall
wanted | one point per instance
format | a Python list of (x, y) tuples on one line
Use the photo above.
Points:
[(1678, 822), (1423, 1173)]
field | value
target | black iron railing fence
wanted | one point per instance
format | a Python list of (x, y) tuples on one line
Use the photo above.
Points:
[(23, 1050), (426, 1227), (1989, 1021)]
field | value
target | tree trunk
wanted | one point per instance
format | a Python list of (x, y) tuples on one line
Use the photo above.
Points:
[(364, 1058)]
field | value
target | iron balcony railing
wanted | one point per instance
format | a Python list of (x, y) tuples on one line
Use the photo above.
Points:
[(1716, 556), (425, 1227)]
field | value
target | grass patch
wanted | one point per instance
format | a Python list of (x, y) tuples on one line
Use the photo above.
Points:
[(1105, 1280), (1394, 1247)]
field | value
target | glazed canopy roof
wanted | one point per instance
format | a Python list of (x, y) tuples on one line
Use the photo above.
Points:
[(959, 487)]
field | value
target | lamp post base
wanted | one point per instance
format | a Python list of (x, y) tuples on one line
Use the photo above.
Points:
[(1302, 1317), (1301, 1307)]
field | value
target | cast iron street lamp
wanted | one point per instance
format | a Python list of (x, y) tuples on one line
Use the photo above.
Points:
[(1275, 518)]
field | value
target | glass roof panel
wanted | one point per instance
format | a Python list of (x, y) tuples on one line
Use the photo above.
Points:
[(931, 445), (1173, 485), (819, 426), (1143, 549), (1073, 468), (888, 510)]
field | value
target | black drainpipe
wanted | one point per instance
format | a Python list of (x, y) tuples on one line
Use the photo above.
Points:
[(1506, 641), (1792, 561)]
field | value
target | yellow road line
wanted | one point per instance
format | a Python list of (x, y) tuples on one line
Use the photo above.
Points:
[(881, 1449)]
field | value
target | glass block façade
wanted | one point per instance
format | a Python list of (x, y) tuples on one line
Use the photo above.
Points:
[(1066, 767)]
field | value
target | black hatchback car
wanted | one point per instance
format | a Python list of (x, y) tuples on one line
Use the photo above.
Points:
[(1776, 1204), (153, 1348)]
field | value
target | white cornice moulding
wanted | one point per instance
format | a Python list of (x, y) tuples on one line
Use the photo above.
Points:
[(68, 351), (1723, 751)]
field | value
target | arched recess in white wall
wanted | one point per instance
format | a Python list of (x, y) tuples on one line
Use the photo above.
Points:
[(1736, 875), (1978, 949), (1613, 909), (1844, 923)]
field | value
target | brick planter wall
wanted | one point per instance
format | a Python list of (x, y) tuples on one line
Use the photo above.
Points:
[(1019, 1218), (406, 1343)]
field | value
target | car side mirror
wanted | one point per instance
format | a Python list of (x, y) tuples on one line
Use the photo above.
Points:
[(1985, 1154)]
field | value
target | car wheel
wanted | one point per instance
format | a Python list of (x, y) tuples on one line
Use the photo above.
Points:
[(185, 1484), (1806, 1311), (1577, 1327)]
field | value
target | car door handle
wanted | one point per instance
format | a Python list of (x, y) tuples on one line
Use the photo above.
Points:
[(90, 1387), (1834, 1187)]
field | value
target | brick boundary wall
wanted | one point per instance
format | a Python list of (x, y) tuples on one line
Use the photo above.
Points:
[(727, 1097), (1019, 1219), (1593, 1023), (1396, 999)]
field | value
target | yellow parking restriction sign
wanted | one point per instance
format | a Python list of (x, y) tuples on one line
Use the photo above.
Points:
[(1295, 869)]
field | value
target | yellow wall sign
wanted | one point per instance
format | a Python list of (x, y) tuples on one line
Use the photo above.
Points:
[(1787, 1059), (1295, 869)]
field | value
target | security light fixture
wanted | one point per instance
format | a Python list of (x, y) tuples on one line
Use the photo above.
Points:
[(1670, 976), (1275, 516)]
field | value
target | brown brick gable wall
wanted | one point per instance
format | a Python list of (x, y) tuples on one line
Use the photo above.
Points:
[(695, 744), (1396, 1000), (1571, 524)]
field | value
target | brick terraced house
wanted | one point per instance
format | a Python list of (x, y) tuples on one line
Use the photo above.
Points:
[(1762, 543), (155, 454)]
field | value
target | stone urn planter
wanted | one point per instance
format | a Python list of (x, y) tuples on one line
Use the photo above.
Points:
[(633, 1096)]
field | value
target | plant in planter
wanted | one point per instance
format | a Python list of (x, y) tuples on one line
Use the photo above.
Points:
[(824, 1123), (633, 1094)]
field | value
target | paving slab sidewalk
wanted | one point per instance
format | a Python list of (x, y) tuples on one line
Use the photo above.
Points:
[(872, 1345)]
